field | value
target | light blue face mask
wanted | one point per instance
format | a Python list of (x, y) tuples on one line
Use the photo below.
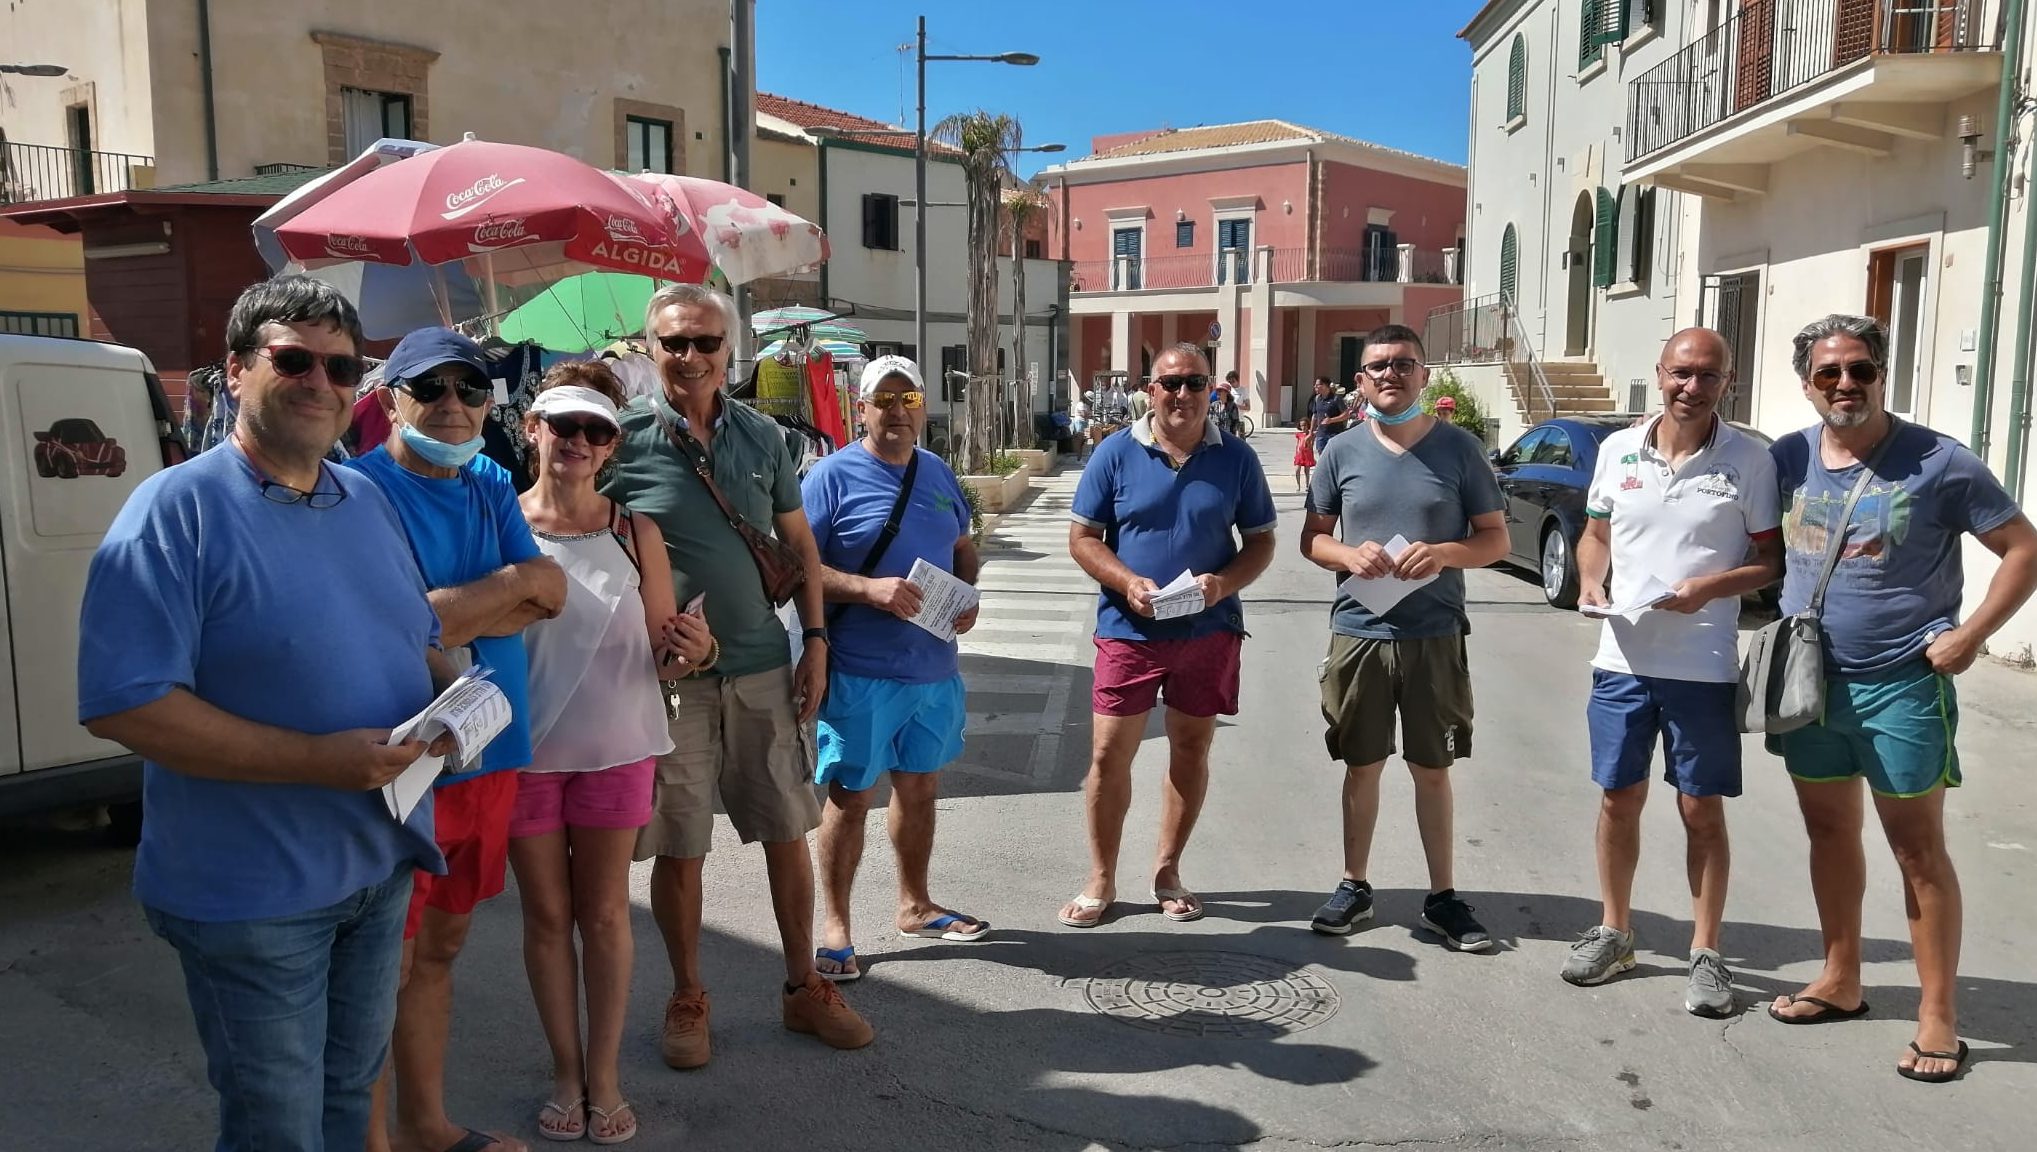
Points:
[(1412, 411), (438, 453)]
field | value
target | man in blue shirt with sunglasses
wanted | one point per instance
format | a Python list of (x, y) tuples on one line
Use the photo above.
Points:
[(488, 580)]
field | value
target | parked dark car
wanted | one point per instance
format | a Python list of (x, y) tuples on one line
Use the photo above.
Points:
[(1544, 477), (75, 447)]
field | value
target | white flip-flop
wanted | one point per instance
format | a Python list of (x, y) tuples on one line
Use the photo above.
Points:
[(1179, 895), (1086, 904)]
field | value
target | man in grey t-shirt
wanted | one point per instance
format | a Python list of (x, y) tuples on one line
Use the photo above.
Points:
[(1402, 473)]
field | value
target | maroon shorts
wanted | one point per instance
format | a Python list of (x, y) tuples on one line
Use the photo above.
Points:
[(1199, 676), (471, 825)]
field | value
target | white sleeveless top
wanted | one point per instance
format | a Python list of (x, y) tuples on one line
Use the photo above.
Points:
[(594, 696)]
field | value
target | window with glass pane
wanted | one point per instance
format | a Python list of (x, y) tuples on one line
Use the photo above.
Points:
[(1234, 248), (650, 144), (371, 116)]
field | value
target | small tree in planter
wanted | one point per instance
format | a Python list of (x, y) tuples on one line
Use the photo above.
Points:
[(1470, 414)]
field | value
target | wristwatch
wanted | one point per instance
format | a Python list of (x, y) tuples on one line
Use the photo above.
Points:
[(820, 634)]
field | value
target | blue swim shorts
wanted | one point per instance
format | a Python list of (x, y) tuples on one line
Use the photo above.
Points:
[(1692, 719), (869, 727), (1894, 727)]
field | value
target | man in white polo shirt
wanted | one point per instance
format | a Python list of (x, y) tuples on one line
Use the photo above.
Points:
[(1684, 504)]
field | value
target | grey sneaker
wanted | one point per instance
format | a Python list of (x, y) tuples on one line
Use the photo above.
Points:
[(1710, 992), (1599, 955)]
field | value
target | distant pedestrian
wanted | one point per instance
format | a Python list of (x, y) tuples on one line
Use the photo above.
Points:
[(1686, 501), (597, 728), (1413, 476), (1304, 453), (1327, 414), (253, 626), (894, 707), (1173, 495), (1893, 642)]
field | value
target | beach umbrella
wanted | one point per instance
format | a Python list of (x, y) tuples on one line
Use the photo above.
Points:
[(747, 236), (582, 312), (817, 322)]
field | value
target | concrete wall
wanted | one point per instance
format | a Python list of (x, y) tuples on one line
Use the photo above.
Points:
[(1426, 213), (791, 171), (106, 47)]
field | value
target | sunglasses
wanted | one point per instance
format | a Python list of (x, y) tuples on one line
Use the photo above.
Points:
[(430, 389), (1860, 372), (1400, 366), (599, 433), (889, 400), (295, 362), (1177, 383), (705, 345)]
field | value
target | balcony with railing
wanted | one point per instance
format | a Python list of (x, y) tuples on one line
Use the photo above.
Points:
[(1404, 264), (35, 172), (1782, 76)]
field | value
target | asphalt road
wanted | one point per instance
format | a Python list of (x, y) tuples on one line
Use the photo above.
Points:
[(1245, 1029)]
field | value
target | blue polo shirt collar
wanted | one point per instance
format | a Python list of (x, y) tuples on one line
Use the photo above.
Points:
[(1142, 431)]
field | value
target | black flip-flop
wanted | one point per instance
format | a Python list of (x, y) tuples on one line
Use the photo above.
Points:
[(474, 1141), (1827, 1012), (1958, 1065)]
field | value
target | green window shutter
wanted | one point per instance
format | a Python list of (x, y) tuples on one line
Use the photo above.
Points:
[(1517, 78), (1509, 264), (1605, 240), (1590, 33)]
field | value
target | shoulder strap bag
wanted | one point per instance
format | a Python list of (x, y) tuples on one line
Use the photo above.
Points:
[(887, 534), (1782, 676), (779, 567)]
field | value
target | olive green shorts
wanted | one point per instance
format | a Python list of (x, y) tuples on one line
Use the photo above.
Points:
[(1425, 682)]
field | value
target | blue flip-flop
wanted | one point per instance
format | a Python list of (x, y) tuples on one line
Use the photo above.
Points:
[(942, 927), (839, 956)]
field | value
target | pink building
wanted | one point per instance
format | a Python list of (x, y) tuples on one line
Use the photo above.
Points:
[(1273, 246)]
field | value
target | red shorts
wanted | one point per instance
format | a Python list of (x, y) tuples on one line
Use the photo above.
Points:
[(471, 825), (1200, 676), (610, 799)]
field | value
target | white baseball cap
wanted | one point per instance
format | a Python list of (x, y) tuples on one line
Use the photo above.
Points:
[(884, 367), (572, 399)]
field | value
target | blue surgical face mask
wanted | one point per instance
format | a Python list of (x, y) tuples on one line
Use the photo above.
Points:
[(438, 453), (1412, 411)]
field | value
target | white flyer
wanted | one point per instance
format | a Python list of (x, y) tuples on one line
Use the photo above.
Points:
[(1379, 594), (942, 598), (1650, 591), (1181, 597), (472, 709)]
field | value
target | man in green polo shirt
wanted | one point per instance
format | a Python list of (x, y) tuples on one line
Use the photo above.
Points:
[(741, 725)]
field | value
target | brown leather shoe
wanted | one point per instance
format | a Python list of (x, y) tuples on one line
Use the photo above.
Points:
[(818, 1009), (684, 1040)]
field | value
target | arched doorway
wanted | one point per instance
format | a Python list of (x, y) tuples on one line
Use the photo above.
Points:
[(1577, 328)]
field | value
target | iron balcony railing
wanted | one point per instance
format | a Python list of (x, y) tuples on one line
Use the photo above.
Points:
[(1402, 264), (1772, 47), (1489, 330), (35, 172)]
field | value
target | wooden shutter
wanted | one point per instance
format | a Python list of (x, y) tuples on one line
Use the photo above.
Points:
[(1605, 240), (1517, 78), (1590, 34), (1509, 265)]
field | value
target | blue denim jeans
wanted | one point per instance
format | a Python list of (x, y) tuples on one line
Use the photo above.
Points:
[(295, 1014)]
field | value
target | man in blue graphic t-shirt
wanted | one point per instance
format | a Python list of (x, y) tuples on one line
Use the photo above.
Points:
[(253, 626), (488, 581), (1893, 642), (895, 695)]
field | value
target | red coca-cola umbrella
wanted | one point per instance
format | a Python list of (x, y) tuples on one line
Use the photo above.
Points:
[(747, 236), (511, 214)]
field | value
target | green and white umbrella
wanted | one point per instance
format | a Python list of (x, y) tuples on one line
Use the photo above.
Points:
[(819, 323), (839, 349)]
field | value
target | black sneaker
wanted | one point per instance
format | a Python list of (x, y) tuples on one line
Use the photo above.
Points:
[(1451, 918), (1348, 907)]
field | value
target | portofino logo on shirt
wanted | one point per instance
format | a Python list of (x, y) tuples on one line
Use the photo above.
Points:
[(1722, 481)]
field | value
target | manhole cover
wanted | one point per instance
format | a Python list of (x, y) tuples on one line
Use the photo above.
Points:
[(1212, 994)]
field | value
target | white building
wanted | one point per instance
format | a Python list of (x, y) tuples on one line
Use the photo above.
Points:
[(1863, 156), (865, 187)]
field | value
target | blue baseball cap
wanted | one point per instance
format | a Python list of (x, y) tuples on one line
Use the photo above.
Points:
[(427, 348)]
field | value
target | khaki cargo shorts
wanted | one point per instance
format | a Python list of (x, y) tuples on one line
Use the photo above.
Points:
[(1426, 681), (739, 737)]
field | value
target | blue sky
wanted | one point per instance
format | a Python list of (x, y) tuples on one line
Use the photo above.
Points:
[(1389, 71)]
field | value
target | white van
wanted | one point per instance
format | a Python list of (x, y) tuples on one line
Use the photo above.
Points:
[(81, 424)]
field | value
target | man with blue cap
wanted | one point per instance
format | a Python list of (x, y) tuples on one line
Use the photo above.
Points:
[(487, 581)]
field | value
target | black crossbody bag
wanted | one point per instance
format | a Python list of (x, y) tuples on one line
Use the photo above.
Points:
[(888, 533)]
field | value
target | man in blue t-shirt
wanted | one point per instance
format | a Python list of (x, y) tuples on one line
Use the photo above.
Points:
[(488, 580), (1173, 495), (1408, 475), (895, 695), (253, 627), (1893, 643)]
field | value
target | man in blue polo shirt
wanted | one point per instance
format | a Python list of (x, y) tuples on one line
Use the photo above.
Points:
[(895, 697), (1173, 495), (488, 580), (253, 626)]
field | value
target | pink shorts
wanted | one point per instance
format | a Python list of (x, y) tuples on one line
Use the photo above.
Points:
[(618, 797), (1199, 676)]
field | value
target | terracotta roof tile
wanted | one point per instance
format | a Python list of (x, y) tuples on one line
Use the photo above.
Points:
[(1215, 136), (809, 116)]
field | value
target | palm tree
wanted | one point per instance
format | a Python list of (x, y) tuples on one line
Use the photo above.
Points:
[(986, 141), (1021, 205)]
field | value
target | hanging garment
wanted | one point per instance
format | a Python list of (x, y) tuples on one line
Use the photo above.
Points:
[(824, 403)]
